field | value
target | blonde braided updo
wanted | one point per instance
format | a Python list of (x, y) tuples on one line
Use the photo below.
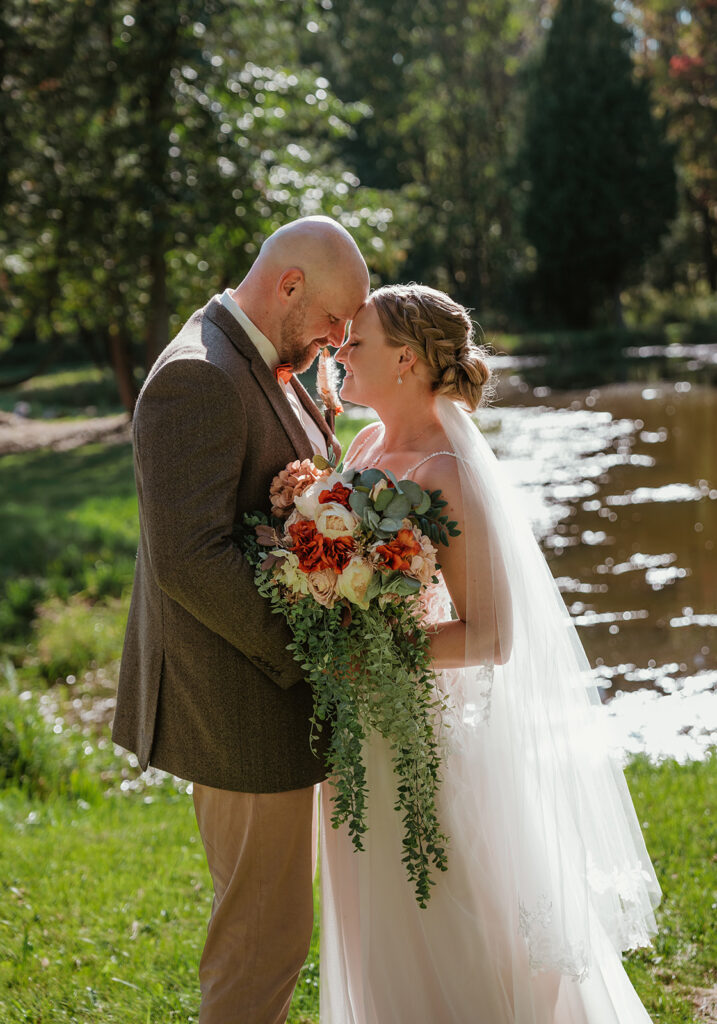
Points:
[(440, 332)]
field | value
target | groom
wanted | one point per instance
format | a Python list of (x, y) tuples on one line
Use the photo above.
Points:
[(207, 689)]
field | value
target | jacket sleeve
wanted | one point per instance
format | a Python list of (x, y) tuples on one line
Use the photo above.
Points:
[(190, 432)]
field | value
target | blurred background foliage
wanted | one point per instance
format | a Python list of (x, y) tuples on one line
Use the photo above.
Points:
[(552, 165)]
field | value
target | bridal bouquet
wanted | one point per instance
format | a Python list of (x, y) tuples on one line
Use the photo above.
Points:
[(348, 559)]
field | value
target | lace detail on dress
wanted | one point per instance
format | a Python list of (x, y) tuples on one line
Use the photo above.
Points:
[(543, 955), (626, 886)]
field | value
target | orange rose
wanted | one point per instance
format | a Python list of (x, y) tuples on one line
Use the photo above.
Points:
[(338, 552), (338, 493), (398, 553), (308, 546)]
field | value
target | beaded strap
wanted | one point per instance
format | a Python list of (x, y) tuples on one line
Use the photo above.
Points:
[(432, 455)]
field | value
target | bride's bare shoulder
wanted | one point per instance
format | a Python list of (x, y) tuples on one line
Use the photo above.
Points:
[(440, 473)]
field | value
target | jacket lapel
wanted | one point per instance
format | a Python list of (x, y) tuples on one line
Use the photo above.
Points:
[(222, 318)]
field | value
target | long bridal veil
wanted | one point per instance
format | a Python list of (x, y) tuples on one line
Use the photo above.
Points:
[(529, 773)]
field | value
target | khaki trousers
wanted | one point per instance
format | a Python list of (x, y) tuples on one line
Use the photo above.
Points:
[(261, 850)]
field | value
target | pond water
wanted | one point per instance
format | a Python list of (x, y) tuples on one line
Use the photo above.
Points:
[(621, 488)]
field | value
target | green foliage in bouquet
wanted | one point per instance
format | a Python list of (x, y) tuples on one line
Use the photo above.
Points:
[(370, 670)]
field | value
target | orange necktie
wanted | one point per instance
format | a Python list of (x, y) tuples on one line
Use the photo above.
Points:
[(284, 372)]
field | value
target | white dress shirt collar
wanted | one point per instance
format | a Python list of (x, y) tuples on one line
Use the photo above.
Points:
[(271, 358), (266, 350)]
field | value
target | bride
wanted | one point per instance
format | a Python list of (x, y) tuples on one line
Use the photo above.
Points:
[(548, 878)]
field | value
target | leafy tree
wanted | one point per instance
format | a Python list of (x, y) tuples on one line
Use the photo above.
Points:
[(602, 186), (677, 51), (440, 82), (156, 146)]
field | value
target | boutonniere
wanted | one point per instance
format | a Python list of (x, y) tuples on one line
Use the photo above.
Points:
[(327, 381)]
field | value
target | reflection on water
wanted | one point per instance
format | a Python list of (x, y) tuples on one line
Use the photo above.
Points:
[(621, 487)]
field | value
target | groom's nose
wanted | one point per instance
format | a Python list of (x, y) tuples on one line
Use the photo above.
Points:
[(335, 336)]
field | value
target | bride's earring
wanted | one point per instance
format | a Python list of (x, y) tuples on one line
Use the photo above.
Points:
[(400, 379)]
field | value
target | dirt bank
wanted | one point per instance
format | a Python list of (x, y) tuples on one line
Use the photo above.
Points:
[(21, 434)]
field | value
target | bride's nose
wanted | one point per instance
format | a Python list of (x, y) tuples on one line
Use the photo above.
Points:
[(341, 353)]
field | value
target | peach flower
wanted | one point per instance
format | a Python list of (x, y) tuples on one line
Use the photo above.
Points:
[(322, 586), (290, 483)]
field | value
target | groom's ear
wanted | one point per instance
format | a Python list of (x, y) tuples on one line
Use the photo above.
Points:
[(290, 285)]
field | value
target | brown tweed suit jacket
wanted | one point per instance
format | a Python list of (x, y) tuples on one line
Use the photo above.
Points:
[(207, 690)]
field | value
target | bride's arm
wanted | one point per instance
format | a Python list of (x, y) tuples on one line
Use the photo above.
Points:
[(476, 580)]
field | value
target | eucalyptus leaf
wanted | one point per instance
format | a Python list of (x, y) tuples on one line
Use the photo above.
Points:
[(359, 502), (387, 581), (392, 477), (424, 505), (384, 500), (412, 491), (406, 585), (370, 477), (390, 524), (370, 517), (399, 506)]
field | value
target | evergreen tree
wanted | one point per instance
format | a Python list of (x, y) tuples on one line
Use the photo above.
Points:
[(440, 84), (602, 185)]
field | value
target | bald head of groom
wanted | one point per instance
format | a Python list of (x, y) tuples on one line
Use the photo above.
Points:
[(308, 280)]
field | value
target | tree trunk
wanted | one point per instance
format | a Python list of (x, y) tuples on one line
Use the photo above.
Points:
[(122, 364), (158, 324), (710, 260)]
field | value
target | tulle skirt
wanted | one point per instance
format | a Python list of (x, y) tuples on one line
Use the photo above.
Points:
[(464, 958)]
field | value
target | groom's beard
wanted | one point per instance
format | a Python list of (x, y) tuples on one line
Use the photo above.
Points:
[(294, 348)]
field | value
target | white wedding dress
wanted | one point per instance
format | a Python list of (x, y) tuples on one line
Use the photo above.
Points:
[(527, 923)]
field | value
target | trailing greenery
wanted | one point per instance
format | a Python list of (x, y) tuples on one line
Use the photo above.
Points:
[(365, 649)]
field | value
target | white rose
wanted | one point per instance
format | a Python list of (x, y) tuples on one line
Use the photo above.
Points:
[(308, 502), (354, 580), (333, 520)]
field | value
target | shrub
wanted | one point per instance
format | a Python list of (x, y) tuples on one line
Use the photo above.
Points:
[(36, 760), (78, 635)]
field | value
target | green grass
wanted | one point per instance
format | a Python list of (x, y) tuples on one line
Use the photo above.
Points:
[(104, 905), (676, 806), (68, 539), (69, 392), (104, 911)]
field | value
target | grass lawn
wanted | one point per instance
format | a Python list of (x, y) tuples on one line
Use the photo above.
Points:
[(104, 905), (104, 910)]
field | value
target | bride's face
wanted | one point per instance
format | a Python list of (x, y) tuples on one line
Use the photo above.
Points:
[(371, 364)]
